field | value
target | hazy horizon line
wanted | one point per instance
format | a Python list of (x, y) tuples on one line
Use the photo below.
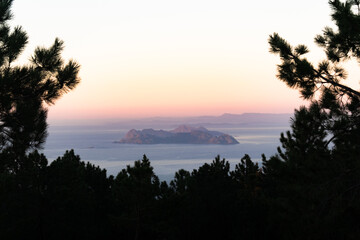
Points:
[(99, 120)]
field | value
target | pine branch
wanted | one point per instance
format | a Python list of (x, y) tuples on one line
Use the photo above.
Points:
[(344, 88)]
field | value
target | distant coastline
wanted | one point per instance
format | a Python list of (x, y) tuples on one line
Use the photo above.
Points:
[(225, 120)]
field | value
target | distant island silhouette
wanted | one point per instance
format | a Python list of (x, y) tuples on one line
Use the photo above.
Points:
[(183, 134)]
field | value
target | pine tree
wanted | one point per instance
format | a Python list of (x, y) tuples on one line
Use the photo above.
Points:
[(26, 90), (334, 116), (315, 174)]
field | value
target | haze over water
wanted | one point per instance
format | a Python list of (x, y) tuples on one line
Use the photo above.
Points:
[(96, 145)]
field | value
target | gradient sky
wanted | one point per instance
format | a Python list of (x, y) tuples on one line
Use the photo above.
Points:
[(143, 58)]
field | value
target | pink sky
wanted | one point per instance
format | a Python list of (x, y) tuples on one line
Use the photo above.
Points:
[(173, 58)]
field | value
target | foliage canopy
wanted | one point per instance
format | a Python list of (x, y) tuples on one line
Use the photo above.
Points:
[(26, 90)]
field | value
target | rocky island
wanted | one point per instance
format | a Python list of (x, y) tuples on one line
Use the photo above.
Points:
[(180, 135)]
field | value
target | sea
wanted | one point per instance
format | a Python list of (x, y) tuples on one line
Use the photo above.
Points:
[(96, 144)]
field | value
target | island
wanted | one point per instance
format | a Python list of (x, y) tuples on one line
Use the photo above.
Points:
[(181, 135)]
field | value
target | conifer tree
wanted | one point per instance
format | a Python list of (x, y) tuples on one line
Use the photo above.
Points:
[(136, 190), (25, 91), (338, 105), (315, 174)]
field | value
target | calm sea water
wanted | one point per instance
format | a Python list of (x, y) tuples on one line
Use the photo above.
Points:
[(96, 145)]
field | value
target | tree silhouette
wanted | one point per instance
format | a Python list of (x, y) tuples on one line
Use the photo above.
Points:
[(76, 199), (333, 118), (318, 165), (25, 93), (26, 90), (136, 190)]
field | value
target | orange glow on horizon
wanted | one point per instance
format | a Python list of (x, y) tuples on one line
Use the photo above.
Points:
[(161, 58), (170, 111)]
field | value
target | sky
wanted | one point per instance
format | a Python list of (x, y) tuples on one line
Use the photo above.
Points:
[(145, 58)]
